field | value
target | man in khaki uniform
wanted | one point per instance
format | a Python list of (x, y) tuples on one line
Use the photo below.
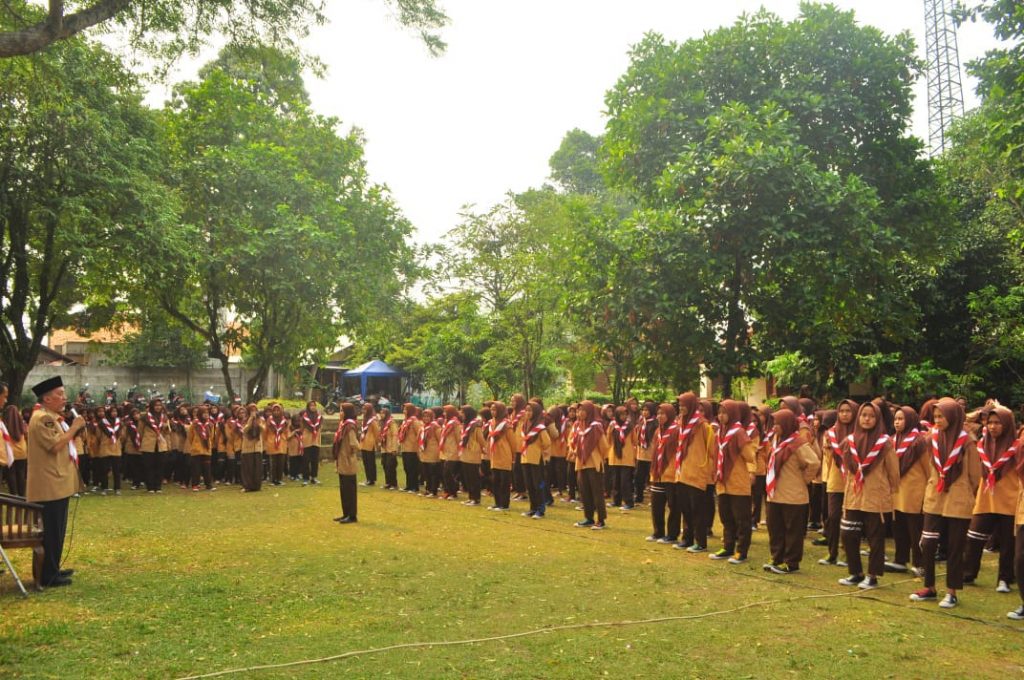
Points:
[(52, 474)]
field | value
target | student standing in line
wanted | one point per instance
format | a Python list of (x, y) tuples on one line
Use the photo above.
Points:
[(663, 476), (485, 454), (408, 442), (948, 500), (622, 454), (368, 435), (834, 473), (346, 444), (17, 472), (451, 434), (133, 447), (430, 453), (734, 470), (1018, 561), (872, 481), (199, 447), (558, 429), (570, 455), (647, 424), (155, 433), (295, 448), (499, 445), (233, 435), (764, 424), (252, 450), (276, 443), (312, 425), (176, 464), (995, 503), (912, 450), (471, 447), (590, 457), (695, 470), (791, 467), (388, 445), (517, 411), (108, 450), (535, 438)]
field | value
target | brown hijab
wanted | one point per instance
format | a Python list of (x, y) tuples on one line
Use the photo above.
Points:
[(730, 452), (864, 440), (955, 417), (663, 451), (689, 401), (590, 439), (788, 425), (994, 448)]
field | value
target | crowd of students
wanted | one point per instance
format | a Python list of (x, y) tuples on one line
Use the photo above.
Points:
[(945, 484)]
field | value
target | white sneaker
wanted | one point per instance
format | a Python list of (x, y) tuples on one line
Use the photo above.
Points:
[(870, 583), (851, 581), (1003, 587), (949, 601), (1017, 614)]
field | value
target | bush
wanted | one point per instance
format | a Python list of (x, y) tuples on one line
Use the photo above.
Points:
[(291, 405)]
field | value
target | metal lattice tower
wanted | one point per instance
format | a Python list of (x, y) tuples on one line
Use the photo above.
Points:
[(945, 91)]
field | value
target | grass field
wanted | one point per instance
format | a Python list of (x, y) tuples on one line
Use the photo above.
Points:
[(185, 583)]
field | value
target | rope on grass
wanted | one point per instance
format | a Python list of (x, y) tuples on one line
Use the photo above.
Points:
[(536, 631)]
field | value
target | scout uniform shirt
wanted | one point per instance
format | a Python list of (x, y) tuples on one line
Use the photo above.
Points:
[(368, 435), (347, 452), (957, 501), (881, 484), (794, 476), (52, 475)]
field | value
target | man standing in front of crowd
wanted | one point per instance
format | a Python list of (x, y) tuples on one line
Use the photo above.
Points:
[(52, 474)]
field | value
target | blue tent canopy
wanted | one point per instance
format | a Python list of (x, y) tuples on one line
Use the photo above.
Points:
[(372, 369)]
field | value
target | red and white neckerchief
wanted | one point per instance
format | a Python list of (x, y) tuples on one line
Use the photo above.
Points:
[(514, 418), (531, 435), (951, 459), (908, 440), (313, 425), (183, 424), (837, 450), (341, 428), (111, 430), (237, 424), (993, 468), (492, 436), (156, 427), (449, 425), (366, 426), (926, 426), (770, 478), (406, 424), (683, 438), (432, 425), (278, 428), (8, 442), (133, 430), (876, 450), (563, 424), (464, 439), (203, 426), (751, 430), (218, 419), (619, 431), (663, 439), (642, 437), (385, 426), (581, 434), (723, 444)]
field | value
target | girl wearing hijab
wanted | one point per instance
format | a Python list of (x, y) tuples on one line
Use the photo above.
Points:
[(995, 503), (948, 499), (499, 446), (590, 457), (694, 471), (430, 453), (156, 431), (558, 428), (312, 425), (734, 468), (1018, 562), (764, 423), (295, 457), (408, 443), (276, 443), (912, 449), (791, 466), (834, 464), (369, 432), (471, 447), (451, 434), (133, 448), (646, 426), (485, 454), (570, 455), (622, 458), (344, 451), (517, 406), (825, 421), (666, 441), (873, 478), (199, 447), (176, 465), (536, 439), (252, 450), (18, 470), (388, 444)]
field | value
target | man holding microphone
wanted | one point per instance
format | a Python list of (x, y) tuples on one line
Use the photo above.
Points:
[(53, 473)]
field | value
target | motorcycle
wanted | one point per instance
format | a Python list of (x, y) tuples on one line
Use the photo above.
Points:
[(84, 397), (175, 398), (110, 395), (211, 397), (332, 403)]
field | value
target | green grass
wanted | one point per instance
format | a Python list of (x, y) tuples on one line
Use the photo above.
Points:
[(183, 583)]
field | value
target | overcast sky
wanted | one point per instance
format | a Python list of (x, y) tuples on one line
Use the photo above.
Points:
[(484, 118)]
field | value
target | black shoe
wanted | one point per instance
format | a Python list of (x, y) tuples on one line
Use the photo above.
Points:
[(338, 519), (67, 573), (347, 520), (58, 581), (820, 541)]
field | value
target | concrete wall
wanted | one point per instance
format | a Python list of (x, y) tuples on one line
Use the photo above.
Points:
[(102, 377)]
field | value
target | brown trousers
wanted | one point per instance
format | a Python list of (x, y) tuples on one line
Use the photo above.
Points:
[(591, 484), (983, 527), (854, 525), (735, 511), (955, 531), (906, 534), (252, 471), (787, 525)]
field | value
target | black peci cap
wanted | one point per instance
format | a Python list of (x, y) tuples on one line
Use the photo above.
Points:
[(47, 385)]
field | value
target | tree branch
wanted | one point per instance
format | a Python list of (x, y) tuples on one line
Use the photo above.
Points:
[(57, 26)]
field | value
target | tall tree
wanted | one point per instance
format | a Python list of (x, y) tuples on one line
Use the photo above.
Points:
[(293, 240), (779, 155), (169, 28), (82, 212)]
